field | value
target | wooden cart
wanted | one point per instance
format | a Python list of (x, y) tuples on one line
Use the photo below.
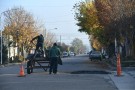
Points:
[(38, 61)]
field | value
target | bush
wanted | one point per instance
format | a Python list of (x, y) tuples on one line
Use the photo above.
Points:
[(4, 55), (17, 59)]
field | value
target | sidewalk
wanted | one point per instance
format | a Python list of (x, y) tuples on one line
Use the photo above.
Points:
[(124, 82)]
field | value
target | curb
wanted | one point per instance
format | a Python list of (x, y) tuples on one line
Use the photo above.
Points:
[(128, 70), (9, 64)]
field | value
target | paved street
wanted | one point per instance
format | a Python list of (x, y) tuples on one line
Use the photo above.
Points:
[(76, 73)]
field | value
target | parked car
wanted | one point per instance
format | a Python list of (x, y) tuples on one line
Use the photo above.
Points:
[(72, 54), (95, 55), (65, 54)]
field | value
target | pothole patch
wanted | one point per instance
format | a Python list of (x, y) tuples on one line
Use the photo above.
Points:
[(90, 72)]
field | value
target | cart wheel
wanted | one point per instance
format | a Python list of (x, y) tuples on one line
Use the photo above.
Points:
[(32, 65), (29, 67)]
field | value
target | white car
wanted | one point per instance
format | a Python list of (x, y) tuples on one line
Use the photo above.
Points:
[(65, 54), (72, 54)]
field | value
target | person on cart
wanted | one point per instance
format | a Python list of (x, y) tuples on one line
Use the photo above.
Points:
[(39, 44)]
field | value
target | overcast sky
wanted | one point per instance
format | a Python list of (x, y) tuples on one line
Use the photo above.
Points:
[(54, 14)]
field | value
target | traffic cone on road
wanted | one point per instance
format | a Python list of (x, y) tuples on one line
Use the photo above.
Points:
[(118, 66), (21, 74)]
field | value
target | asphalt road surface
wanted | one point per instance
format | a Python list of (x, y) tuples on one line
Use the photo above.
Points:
[(76, 73)]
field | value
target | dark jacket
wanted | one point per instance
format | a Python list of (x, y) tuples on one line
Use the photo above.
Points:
[(54, 52), (40, 39)]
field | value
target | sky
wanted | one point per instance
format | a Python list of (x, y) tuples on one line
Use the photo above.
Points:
[(54, 14)]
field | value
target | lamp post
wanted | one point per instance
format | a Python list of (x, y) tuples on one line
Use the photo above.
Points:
[(45, 33), (48, 37)]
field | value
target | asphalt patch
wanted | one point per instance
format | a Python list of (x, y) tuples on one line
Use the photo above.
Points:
[(90, 72)]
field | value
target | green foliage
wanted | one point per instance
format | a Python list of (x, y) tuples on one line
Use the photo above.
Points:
[(106, 20), (86, 15)]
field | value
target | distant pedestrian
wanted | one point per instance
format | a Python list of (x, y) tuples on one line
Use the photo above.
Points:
[(54, 54)]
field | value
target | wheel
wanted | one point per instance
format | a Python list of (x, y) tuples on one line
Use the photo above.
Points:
[(32, 65), (28, 67)]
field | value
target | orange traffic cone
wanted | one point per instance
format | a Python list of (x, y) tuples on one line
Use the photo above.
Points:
[(118, 66), (21, 71)]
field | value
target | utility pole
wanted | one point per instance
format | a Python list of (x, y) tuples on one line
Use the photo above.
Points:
[(17, 34)]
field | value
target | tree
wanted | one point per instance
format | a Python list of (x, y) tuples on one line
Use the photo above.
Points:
[(64, 47), (21, 25), (112, 18), (49, 39), (86, 15), (78, 45), (117, 16)]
